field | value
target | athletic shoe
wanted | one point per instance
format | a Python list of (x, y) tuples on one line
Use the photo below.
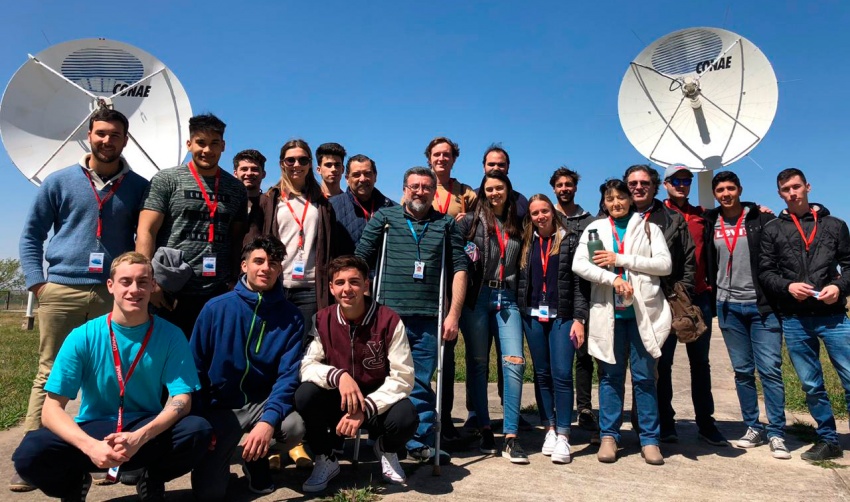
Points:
[(325, 469), (822, 451), (17, 484), (426, 454), (752, 438), (713, 437), (390, 467), (449, 432), (549, 443), (130, 478), (514, 452), (777, 447), (488, 442), (561, 453), (83, 490), (100, 479), (587, 421), (259, 476), (150, 489)]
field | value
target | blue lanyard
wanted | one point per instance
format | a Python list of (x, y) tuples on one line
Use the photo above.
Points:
[(417, 237)]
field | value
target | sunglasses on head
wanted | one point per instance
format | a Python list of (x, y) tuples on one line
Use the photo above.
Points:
[(302, 161), (681, 182)]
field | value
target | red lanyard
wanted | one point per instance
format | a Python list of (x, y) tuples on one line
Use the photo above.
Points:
[(212, 205), (367, 214), (300, 222), (731, 247), (544, 259), (445, 208), (123, 379), (102, 202), (503, 244), (808, 242)]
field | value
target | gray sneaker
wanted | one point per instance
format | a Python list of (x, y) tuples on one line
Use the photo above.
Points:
[(752, 438), (777, 447)]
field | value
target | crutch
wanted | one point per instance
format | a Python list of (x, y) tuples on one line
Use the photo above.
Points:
[(440, 351), (376, 293)]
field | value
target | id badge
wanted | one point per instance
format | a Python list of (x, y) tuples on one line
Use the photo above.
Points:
[(298, 270), (112, 474), (209, 266), (543, 312), (418, 269), (96, 263), (619, 303)]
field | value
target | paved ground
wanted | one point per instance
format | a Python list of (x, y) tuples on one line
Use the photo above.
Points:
[(693, 470)]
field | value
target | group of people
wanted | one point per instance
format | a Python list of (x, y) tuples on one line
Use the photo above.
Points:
[(304, 314)]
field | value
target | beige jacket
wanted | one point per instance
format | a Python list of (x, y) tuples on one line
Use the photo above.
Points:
[(646, 262)]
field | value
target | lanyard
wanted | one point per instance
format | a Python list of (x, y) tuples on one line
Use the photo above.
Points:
[(675, 208), (212, 205), (102, 202), (123, 379), (731, 247), (503, 245), (808, 242), (300, 222), (444, 209), (544, 259), (417, 237), (367, 214)]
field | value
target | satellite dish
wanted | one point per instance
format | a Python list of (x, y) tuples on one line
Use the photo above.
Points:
[(46, 107), (703, 97)]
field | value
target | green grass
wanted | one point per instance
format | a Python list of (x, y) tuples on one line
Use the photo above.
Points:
[(18, 364), (366, 494), (460, 363), (795, 398)]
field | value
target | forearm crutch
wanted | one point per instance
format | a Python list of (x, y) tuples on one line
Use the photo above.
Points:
[(376, 294), (440, 350)]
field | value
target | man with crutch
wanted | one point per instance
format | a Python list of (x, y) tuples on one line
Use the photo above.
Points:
[(422, 251)]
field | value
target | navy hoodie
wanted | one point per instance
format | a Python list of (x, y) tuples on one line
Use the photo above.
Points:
[(247, 347)]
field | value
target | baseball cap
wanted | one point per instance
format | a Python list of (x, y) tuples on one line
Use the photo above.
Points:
[(675, 168)]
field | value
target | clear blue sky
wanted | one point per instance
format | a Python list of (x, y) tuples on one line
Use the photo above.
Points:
[(383, 78)]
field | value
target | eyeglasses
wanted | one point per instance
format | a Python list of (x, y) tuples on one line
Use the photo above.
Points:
[(497, 164), (643, 183), (302, 161), (417, 187), (681, 182)]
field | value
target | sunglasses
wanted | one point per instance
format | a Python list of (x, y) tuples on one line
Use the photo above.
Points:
[(681, 182), (291, 161), (643, 183)]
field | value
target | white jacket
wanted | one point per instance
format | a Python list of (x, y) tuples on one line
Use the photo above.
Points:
[(646, 262)]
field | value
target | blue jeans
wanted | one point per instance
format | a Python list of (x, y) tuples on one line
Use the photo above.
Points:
[(629, 351), (422, 336), (552, 353), (754, 342), (801, 338)]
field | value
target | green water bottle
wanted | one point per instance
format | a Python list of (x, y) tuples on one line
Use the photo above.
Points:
[(593, 243)]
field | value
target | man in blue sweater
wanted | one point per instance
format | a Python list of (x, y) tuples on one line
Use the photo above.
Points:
[(92, 209), (247, 346)]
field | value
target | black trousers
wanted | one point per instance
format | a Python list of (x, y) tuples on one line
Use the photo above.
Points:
[(584, 378), (319, 408)]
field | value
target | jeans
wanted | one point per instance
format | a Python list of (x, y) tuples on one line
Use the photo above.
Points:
[(552, 354), (57, 468), (629, 351), (754, 342), (700, 374), (801, 338), (422, 336)]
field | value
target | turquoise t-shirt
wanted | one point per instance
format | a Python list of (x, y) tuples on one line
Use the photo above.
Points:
[(621, 224), (85, 362)]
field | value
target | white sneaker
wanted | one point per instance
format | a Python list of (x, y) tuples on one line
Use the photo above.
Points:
[(324, 470), (390, 466), (777, 447), (561, 452), (752, 438), (549, 443)]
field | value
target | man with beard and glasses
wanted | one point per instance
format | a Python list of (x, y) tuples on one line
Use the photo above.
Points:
[(356, 206), (416, 236), (92, 209)]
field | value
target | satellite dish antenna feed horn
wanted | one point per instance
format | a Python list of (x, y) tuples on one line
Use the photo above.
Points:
[(46, 107), (702, 97)]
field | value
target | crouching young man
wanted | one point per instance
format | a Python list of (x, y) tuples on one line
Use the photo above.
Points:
[(121, 361), (357, 372), (247, 347)]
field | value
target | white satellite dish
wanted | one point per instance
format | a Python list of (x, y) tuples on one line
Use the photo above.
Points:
[(703, 97), (46, 107)]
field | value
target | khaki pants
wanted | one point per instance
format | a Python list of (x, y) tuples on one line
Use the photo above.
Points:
[(60, 309)]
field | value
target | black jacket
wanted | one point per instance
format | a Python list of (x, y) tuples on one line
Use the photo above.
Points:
[(577, 223), (784, 260), (680, 244), (573, 291), (754, 223), (350, 218), (477, 269)]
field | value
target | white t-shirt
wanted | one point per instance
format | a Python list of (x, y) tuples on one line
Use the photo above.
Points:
[(289, 231)]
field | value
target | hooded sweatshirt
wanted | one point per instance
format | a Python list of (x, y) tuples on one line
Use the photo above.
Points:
[(247, 347)]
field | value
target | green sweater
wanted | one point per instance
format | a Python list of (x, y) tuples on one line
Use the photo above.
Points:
[(399, 290)]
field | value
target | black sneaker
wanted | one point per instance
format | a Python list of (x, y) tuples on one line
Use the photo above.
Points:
[(822, 451), (80, 496), (130, 478), (150, 489), (471, 424), (488, 443), (524, 425), (259, 476), (713, 437), (587, 421), (513, 451), (449, 433)]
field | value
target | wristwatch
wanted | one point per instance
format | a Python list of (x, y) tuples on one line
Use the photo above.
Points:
[(580, 321)]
